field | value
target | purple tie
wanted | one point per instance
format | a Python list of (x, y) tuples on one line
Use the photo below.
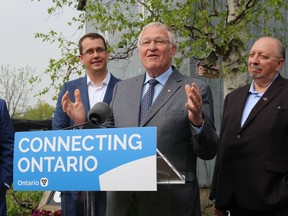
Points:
[(147, 99)]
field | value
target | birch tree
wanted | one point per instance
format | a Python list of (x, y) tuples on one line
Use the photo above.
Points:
[(16, 87), (213, 32)]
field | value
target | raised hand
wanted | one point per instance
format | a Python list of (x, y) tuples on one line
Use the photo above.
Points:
[(74, 110), (194, 104)]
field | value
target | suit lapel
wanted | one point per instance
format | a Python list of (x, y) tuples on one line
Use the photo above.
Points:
[(136, 87), (267, 97), (82, 86), (241, 98), (109, 92), (172, 85)]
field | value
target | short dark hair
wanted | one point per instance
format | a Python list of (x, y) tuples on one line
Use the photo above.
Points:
[(92, 36)]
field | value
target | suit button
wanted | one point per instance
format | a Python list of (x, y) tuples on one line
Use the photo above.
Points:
[(238, 136)]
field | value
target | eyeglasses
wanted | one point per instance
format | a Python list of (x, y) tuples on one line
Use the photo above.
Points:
[(91, 51), (157, 42)]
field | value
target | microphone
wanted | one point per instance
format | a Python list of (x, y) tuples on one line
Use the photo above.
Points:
[(99, 113), (96, 116)]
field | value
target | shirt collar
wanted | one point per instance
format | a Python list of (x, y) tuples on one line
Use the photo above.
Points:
[(162, 79), (104, 82), (252, 90)]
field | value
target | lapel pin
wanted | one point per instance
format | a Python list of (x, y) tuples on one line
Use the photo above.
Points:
[(265, 98), (278, 108)]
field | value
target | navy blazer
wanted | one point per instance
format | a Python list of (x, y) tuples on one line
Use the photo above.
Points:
[(61, 119), (70, 205), (252, 161), (6, 153)]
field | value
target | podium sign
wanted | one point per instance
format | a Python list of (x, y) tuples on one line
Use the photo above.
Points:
[(105, 159)]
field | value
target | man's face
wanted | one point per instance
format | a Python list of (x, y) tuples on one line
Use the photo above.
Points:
[(155, 50), (94, 56), (263, 62)]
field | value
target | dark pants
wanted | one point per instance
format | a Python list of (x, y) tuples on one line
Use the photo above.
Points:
[(131, 203), (168, 200), (73, 202), (236, 210), (3, 210)]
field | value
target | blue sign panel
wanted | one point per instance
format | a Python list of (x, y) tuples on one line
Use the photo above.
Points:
[(90, 159)]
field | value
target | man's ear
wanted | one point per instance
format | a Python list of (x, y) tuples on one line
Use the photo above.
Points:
[(173, 51), (80, 58), (280, 64)]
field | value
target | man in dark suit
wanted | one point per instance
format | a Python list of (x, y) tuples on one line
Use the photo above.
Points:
[(182, 111), (96, 86), (6, 155), (251, 172)]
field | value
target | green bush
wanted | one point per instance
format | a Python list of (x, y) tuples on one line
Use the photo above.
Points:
[(22, 203)]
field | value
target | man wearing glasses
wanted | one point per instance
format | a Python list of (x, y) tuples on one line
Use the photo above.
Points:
[(181, 108), (96, 86)]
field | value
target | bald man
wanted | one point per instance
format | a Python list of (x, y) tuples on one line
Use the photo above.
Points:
[(251, 172)]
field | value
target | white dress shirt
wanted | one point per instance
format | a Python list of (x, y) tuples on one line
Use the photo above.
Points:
[(96, 93)]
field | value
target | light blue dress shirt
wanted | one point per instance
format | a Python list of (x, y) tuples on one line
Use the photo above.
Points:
[(162, 79), (252, 99)]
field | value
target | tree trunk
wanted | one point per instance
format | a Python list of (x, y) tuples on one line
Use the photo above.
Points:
[(234, 78)]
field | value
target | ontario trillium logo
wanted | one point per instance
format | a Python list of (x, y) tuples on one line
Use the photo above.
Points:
[(44, 182)]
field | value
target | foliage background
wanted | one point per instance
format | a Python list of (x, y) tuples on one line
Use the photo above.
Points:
[(212, 31), (216, 32)]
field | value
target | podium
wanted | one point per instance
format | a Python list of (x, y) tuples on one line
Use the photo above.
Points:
[(166, 172), (112, 159), (167, 175)]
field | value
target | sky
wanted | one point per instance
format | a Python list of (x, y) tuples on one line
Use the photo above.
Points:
[(19, 21)]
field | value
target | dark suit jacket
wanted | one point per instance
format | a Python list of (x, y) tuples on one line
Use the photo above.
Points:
[(73, 204), (6, 153), (252, 161), (175, 139)]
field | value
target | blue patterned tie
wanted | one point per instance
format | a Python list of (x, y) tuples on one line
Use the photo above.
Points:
[(147, 99)]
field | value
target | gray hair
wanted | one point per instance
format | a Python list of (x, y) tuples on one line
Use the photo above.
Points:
[(171, 35)]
